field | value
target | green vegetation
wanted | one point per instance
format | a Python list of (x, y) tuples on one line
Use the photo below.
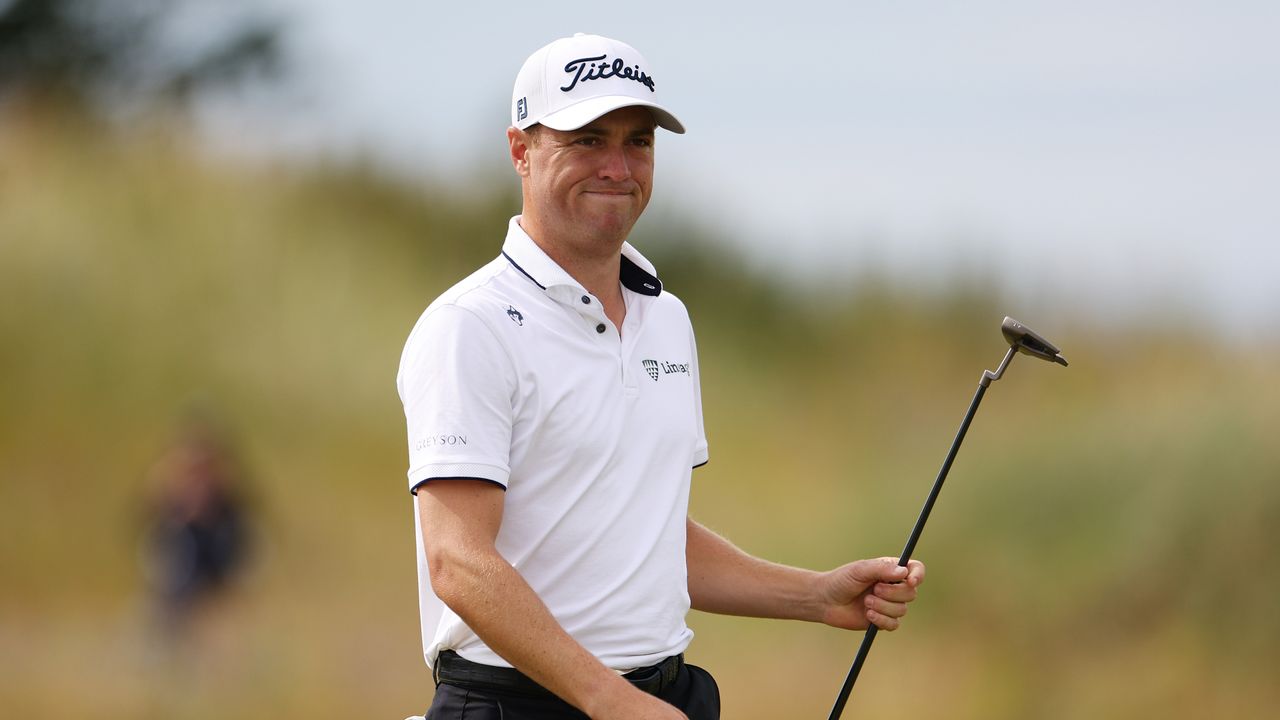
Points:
[(1104, 548)]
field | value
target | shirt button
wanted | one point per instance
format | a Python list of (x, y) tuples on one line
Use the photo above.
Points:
[(586, 300), (600, 328)]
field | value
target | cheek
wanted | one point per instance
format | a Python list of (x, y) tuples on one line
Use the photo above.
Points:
[(642, 170), (646, 184), (550, 184), (564, 177)]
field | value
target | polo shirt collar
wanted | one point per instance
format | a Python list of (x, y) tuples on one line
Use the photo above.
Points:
[(636, 274)]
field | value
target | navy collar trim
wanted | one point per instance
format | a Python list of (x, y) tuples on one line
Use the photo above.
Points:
[(524, 272), (636, 279), (632, 276)]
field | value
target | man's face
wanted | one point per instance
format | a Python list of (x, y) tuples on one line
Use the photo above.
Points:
[(584, 189)]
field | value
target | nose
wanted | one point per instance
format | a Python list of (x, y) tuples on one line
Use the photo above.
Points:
[(614, 165)]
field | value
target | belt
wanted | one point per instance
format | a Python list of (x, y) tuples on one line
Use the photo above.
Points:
[(454, 669)]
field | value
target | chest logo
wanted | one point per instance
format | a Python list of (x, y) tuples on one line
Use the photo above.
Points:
[(656, 369), (651, 367), (515, 315)]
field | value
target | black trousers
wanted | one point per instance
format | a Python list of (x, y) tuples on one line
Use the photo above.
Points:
[(695, 692)]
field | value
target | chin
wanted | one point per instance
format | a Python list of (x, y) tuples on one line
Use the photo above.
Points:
[(613, 225)]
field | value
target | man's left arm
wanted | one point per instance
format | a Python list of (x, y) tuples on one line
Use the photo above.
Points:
[(723, 579)]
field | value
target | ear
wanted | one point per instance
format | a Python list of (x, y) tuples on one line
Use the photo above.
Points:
[(519, 141)]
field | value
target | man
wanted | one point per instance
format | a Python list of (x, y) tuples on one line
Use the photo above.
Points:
[(554, 420)]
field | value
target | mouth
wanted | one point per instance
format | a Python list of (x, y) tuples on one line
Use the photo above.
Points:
[(610, 192)]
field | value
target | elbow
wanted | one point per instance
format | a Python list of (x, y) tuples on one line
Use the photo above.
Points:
[(443, 574), (453, 572)]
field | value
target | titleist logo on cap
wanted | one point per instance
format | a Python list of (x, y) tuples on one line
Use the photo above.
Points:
[(570, 65), (599, 68)]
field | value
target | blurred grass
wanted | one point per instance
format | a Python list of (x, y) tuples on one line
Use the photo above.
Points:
[(1104, 549)]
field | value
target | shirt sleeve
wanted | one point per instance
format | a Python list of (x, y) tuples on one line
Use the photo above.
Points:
[(700, 451), (457, 382)]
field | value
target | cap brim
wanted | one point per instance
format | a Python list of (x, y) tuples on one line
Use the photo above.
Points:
[(579, 114)]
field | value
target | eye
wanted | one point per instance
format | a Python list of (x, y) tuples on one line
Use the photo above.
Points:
[(587, 141), (642, 141)]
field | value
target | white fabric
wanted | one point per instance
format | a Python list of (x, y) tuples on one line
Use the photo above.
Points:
[(572, 81), (593, 435)]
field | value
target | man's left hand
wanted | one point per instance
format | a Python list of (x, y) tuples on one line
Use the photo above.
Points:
[(868, 592)]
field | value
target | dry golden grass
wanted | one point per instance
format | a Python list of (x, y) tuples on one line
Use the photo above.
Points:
[(1104, 548)]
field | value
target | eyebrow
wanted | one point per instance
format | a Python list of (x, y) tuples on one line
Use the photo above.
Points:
[(597, 131)]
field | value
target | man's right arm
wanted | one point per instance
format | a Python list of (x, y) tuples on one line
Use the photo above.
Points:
[(460, 521)]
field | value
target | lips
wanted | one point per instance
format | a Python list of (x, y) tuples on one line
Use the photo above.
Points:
[(611, 192)]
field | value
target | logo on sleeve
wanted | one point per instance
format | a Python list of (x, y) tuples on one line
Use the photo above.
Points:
[(654, 368), (443, 440)]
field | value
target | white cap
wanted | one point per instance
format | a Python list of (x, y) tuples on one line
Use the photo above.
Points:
[(575, 80)]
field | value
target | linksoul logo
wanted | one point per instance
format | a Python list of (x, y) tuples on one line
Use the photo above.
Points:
[(651, 367), (515, 315), (599, 68)]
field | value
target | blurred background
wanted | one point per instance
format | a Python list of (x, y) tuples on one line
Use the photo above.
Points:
[(219, 220)]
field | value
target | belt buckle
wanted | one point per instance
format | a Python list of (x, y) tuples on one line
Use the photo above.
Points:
[(656, 678), (671, 669)]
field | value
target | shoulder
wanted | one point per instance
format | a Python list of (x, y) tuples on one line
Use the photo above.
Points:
[(467, 315), (478, 291), (671, 308), (472, 303), (672, 301)]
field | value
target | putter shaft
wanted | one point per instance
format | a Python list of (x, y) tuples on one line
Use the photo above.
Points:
[(1021, 339), (870, 637)]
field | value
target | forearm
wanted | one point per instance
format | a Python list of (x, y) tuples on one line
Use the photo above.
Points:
[(496, 602), (461, 519), (723, 579)]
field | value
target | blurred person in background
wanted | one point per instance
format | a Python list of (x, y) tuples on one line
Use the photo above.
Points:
[(197, 539), (554, 419)]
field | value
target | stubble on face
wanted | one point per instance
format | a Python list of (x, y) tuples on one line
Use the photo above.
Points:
[(584, 189)]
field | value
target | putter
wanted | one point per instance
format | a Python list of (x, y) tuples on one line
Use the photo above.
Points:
[(1022, 339)]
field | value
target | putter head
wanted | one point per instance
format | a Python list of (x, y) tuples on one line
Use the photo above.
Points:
[(1028, 342)]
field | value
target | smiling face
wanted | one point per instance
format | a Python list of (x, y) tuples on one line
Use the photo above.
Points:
[(584, 189)]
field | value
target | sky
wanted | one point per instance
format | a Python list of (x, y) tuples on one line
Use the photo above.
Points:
[(1100, 157)]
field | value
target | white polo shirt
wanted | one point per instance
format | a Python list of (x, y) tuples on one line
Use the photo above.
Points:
[(515, 376)]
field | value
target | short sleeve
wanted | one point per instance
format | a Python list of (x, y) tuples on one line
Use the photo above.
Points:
[(700, 451), (457, 382)]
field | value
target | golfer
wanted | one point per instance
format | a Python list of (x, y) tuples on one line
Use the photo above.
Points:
[(554, 421)]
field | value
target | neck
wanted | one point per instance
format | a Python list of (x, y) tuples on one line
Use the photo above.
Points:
[(597, 272)]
